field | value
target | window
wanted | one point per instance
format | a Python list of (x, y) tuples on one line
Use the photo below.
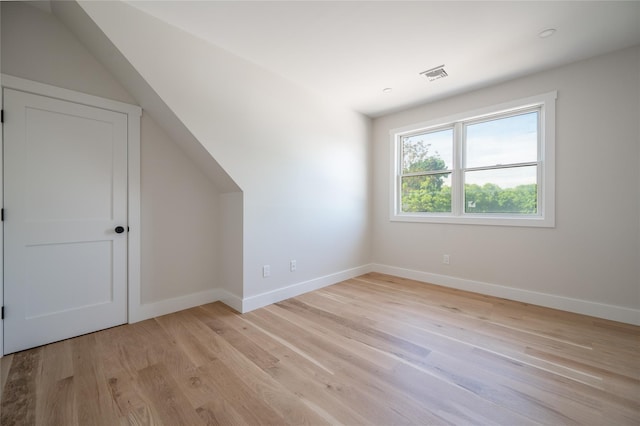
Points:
[(492, 167)]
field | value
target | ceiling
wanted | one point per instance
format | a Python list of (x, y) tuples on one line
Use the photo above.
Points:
[(352, 50)]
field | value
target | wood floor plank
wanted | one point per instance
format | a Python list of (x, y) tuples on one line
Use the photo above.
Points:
[(219, 412), (364, 383), (168, 406), (308, 383), (136, 346), (245, 346), (93, 400), (141, 416), (56, 405), (227, 385), (54, 385), (281, 400), (457, 326), (18, 395), (531, 381), (5, 366), (194, 350), (420, 381), (126, 395), (375, 349)]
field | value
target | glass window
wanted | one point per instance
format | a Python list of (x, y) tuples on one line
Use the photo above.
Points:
[(502, 141), (425, 156), (491, 167)]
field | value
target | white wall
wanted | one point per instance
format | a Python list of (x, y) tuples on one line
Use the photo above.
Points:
[(37, 47), (301, 161), (1, 198), (231, 228), (180, 219), (180, 236), (593, 254)]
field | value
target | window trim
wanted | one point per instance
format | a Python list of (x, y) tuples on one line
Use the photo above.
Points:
[(546, 171)]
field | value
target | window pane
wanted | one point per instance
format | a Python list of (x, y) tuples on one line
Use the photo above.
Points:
[(510, 190), (503, 141), (431, 193), (428, 152)]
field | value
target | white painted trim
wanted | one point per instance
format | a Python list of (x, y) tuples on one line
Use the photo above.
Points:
[(134, 248), (585, 307), (230, 299), (11, 82), (274, 296), (164, 307), (168, 306), (133, 113)]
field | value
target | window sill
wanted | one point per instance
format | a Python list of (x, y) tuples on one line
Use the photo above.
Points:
[(490, 220)]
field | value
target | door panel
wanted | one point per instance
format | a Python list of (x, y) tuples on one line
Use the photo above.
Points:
[(65, 192), (59, 149), (84, 267)]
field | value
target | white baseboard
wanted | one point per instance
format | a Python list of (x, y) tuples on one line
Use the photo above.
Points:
[(230, 299), (168, 306), (274, 296), (585, 307)]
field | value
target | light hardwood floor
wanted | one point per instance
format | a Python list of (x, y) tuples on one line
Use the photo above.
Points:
[(371, 350)]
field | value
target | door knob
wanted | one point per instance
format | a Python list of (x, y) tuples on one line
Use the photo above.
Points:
[(119, 229)]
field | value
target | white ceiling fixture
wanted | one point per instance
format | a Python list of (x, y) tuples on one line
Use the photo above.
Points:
[(435, 73), (348, 50), (547, 33)]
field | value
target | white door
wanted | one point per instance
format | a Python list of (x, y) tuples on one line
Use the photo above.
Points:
[(65, 219)]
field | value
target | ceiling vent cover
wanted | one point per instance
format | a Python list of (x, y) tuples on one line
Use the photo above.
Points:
[(435, 73)]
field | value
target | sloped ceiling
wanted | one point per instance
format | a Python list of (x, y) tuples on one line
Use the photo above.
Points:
[(72, 15), (351, 50)]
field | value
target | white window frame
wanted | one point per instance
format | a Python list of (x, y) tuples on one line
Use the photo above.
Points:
[(545, 103)]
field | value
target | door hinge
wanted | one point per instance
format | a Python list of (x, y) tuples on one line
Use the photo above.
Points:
[(2, 215), (2, 314), (1, 116)]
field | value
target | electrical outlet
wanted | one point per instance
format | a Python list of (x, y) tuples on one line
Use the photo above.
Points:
[(445, 259), (266, 271), (292, 266)]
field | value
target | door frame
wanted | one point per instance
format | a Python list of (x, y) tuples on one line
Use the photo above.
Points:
[(133, 113)]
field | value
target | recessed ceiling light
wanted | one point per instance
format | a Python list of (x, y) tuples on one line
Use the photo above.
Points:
[(387, 90), (547, 33), (435, 73)]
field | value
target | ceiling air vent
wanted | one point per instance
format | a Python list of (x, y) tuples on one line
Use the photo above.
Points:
[(435, 73)]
